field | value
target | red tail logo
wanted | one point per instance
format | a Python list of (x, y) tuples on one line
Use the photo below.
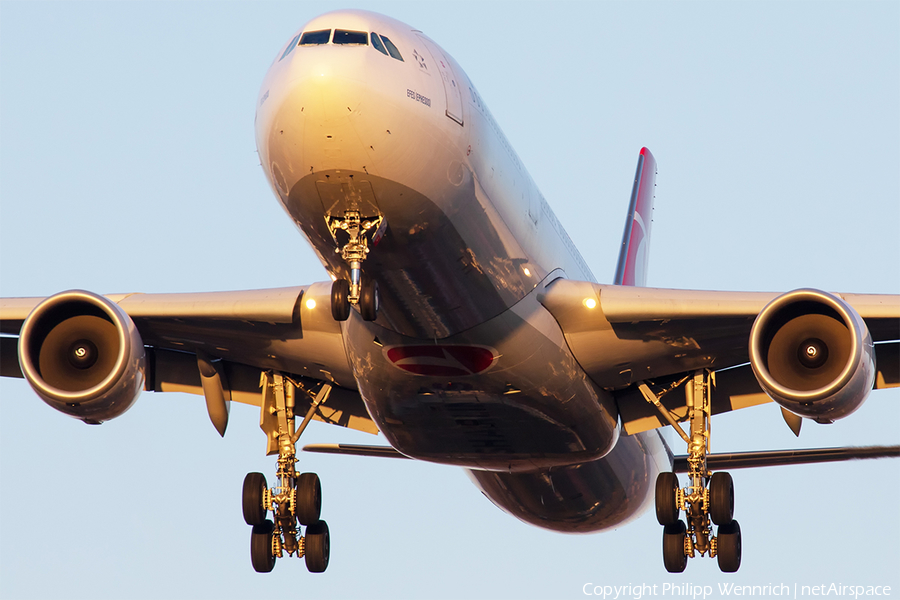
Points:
[(633, 256)]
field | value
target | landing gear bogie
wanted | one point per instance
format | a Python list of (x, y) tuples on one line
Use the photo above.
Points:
[(708, 498), (270, 540), (295, 501)]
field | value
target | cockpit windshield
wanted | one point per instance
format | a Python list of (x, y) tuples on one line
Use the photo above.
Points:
[(376, 42), (356, 38), (315, 38), (391, 48), (290, 47), (345, 37)]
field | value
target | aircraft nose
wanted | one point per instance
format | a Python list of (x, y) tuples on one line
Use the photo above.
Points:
[(308, 121), (325, 92)]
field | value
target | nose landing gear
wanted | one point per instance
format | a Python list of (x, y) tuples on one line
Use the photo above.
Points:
[(709, 497), (359, 291), (296, 499)]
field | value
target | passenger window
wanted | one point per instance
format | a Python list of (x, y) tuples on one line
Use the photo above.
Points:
[(290, 47), (356, 38), (376, 41), (315, 38), (391, 48)]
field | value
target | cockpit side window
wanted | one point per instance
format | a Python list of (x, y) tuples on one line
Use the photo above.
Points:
[(290, 47), (356, 38), (376, 41), (315, 38), (391, 48)]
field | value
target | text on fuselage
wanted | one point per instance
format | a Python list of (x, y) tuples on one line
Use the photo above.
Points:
[(418, 97)]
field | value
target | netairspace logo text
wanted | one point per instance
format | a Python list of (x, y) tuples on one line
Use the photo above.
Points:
[(697, 592)]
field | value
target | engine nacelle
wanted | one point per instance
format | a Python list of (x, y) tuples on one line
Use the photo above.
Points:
[(83, 356), (813, 354)]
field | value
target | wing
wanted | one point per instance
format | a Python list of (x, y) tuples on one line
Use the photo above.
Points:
[(624, 336), (214, 343)]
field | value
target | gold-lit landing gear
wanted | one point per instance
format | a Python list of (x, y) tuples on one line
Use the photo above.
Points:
[(360, 291), (708, 498), (296, 499)]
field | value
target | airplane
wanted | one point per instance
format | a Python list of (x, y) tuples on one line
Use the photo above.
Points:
[(476, 319)]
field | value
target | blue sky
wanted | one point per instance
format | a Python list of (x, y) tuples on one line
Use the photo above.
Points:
[(127, 163)]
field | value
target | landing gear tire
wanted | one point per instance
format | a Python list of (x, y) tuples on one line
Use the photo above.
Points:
[(368, 299), (340, 300), (261, 555), (674, 558), (666, 498), (728, 547), (721, 498), (308, 506), (255, 487), (318, 547)]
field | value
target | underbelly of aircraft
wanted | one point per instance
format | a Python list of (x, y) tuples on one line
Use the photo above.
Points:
[(506, 395), (586, 497)]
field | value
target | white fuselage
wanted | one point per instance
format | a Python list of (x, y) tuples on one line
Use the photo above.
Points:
[(463, 365)]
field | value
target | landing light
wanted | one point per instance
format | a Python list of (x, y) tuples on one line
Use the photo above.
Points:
[(590, 302), (526, 271), (310, 304)]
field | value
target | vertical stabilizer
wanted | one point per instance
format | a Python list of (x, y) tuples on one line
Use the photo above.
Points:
[(635, 251)]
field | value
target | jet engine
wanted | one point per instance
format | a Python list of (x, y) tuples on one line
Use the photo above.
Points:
[(813, 354), (83, 356)]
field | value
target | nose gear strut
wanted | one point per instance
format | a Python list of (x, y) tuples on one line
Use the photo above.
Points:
[(296, 499), (708, 498), (358, 291)]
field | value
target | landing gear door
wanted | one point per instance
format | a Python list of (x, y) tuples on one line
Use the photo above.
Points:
[(451, 84), (340, 194)]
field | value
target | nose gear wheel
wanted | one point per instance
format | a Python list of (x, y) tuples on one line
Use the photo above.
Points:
[(708, 498), (296, 499), (359, 291), (340, 300)]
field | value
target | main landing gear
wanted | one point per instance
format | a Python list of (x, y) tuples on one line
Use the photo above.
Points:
[(363, 292), (709, 497), (296, 499)]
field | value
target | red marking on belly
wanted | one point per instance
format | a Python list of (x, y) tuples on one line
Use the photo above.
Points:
[(441, 360)]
